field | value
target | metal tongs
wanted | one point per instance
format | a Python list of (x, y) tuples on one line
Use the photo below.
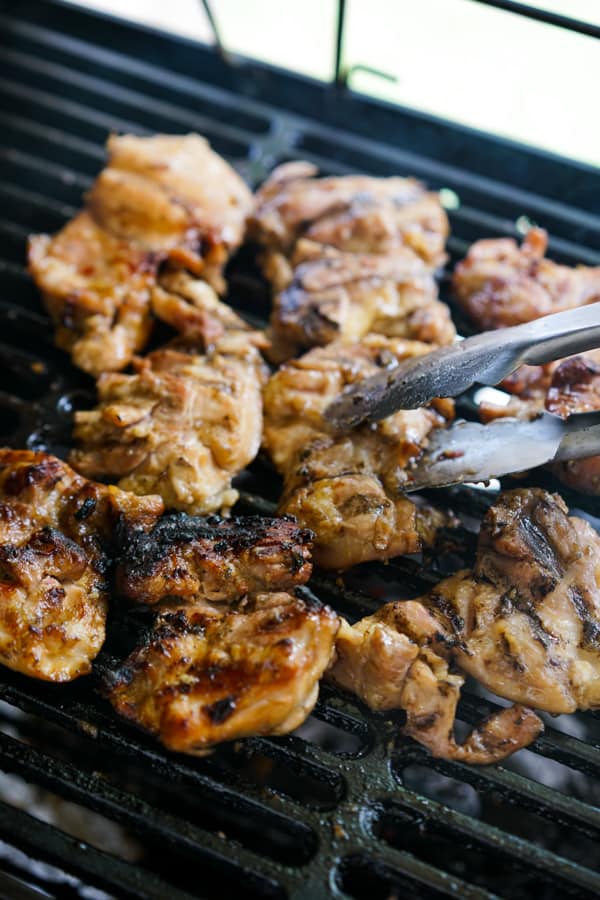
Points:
[(470, 451)]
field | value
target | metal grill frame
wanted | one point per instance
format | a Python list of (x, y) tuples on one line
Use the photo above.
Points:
[(53, 128)]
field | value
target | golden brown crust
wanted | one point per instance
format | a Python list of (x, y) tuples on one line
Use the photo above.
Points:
[(97, 290), (400, 658), (333, 294), (181, 426), (528, 617), (525, 622), (162, 197), (499, 284), (208, 674), (172, 194), (55, 533), (355, 213)]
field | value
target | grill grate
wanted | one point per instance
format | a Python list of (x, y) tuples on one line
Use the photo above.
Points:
[(340, 808)]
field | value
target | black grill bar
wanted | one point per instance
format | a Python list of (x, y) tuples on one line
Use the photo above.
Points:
[(296, 134), (543, 15), (331, 810), (54, 846)]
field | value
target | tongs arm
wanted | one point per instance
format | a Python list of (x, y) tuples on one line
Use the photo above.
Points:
[(483, 359), (473, 452)]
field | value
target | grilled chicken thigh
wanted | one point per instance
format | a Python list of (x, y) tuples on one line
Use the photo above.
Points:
[(173, 196), (160, 198), (525, 622), (214, 672), (527, 619), (97, 290), (55, 530), (500, 284), (354, 213), (400, 658), (215, 559), (182, 426), (348, 488), (333, 294)]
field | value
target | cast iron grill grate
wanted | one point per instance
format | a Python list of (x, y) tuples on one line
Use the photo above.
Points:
[(340, 807)]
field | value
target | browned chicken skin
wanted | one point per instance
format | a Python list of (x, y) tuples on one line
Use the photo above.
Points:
[(55, 528), (398, 658), (215, 559), (192, 307), (210, 673), (349, 255), (97, 290), (332, 294), (525, 622), (174, 196), (163, 197), (348, 489), (355, 213), (499, 284), (182, 426), (529, 615)]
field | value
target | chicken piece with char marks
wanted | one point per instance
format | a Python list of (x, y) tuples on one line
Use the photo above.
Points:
[(354, 213), (208, 673), (525, 622), (236, 646), (182, 426), (500, 284), (56, 531), (400, 658), (348, 488), (160, 198), (331, 294), (215, 559)]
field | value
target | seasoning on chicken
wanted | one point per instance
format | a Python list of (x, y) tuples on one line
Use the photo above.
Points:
[(97, 290), (525, 622), (55, 532), (217, 559), (529, 614), (173, 196), (163, 197), (354, 213), (333, 294), (192, 307), (182, 426), (400, 658), (500, 284), (348, 488), (209, 672)]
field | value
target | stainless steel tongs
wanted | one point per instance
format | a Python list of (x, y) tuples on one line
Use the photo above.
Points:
[(470, 451)]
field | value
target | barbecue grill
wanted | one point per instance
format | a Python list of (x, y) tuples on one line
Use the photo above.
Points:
[(342, 807)]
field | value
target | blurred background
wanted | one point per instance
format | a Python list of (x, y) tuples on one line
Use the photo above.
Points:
[(482, 67)]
